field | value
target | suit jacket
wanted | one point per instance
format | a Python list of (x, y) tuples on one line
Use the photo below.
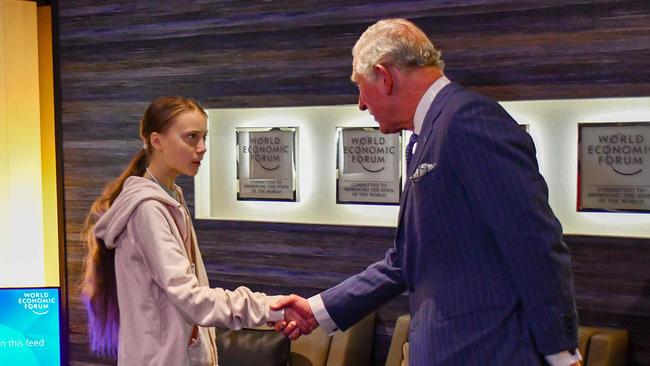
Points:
[(477, 247)]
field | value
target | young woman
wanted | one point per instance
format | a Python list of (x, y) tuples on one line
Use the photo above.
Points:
[(145, 287)]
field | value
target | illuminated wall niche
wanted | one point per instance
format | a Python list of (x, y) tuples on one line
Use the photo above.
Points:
[(553, 125)]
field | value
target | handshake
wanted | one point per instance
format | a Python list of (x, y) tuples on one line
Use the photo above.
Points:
[(298, 317)]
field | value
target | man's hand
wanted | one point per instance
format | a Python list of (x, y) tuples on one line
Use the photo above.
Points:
[(298, 317)]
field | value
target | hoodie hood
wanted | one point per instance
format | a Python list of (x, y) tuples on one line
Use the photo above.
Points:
[(134, 191)]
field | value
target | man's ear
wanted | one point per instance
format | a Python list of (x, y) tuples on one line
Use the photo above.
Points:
[(154, 140), (385, 77)]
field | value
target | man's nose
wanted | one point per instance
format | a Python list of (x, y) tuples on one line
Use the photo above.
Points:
[(362, 103)]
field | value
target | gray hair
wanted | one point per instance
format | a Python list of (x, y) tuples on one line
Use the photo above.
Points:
[(396, 42)]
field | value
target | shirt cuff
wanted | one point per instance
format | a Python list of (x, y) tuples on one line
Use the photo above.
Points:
[(321, 314), (563, 358), (276, 315)]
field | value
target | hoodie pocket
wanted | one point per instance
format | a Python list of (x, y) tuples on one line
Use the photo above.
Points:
[(200, 351), (153, 308)]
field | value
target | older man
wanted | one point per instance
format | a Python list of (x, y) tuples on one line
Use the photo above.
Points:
[(477, 246)]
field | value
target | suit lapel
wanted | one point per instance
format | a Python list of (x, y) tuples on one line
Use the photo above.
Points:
[(424, 138)]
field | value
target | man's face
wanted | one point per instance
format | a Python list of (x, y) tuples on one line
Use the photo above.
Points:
[(375, 97)]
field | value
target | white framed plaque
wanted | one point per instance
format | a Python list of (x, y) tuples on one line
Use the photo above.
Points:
[(267, 163), (614, 167), (369, 166)]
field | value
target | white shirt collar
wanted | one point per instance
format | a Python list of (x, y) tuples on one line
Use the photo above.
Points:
[(425, 103)]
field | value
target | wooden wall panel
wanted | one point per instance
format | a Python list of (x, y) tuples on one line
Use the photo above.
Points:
[(612, 281), (117, 56)]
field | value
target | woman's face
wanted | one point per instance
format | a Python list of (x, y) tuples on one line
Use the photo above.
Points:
[(183, 143)]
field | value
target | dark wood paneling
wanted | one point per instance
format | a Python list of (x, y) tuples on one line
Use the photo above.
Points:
[(116, 57), (234, 53), (612, 281)]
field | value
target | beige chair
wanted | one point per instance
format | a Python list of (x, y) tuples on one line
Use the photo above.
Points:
[(352, 347), (598, 346), (603, 346), (398, 352)]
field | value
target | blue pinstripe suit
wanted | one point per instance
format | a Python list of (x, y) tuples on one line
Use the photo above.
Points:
[(477, 247)]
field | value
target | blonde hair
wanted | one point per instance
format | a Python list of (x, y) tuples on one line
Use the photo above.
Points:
[(395, 42), (98, 286)]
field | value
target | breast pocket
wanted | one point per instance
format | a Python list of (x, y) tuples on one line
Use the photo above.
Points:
[(422, 171), (425, 181)]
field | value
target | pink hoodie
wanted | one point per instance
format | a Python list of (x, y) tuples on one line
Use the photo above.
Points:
[(159, 297)]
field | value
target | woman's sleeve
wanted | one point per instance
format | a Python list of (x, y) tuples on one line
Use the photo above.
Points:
[(171, 270)]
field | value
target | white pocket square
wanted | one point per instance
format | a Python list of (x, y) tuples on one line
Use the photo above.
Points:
[(422, 170)]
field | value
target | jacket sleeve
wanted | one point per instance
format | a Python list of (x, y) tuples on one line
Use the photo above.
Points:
[(171, 270), (353, 299), (495, 162)]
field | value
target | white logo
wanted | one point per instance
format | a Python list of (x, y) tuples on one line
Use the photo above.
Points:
[(38, 302)]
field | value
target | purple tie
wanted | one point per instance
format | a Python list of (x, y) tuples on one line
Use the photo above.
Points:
[(409, 148)]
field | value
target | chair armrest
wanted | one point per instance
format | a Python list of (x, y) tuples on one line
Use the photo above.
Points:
[(584, 335), (400, 336), (405, 352), (354, 346), (311, 350), (252, 347), (608, 348)]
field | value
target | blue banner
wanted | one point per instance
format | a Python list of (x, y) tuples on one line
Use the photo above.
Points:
[(29, 327)]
